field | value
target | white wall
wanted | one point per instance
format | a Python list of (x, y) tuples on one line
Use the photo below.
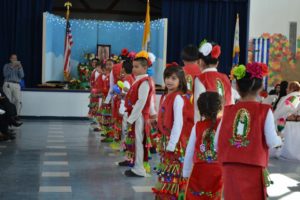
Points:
[(273, 16), (54, 104), (57, 104)]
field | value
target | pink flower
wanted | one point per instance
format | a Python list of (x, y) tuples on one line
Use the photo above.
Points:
[(255, 70)]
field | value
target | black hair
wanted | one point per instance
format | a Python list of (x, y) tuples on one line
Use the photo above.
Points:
[(210, 104), (248, 85), (110, 60), (178, 71), (127, 66), (95, 59), (143, 61), (283, 86), (103, 65), (272, 92), (190, 53), (208, 60)]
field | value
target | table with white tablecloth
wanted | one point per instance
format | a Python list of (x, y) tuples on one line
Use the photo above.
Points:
[(291, 145)]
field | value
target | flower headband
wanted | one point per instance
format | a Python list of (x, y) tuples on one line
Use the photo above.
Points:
[(256, 70), (150, 57), (207, 48), (173, 64), (115, 58), (124, 52)]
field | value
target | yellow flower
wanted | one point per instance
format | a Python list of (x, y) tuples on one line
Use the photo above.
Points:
[(142, 54), (239, 72)]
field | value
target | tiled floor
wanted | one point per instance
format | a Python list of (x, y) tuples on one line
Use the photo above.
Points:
[(65, 160)]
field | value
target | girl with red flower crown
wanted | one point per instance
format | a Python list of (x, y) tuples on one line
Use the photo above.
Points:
[(210, 79), (243, 137), (174, 125)]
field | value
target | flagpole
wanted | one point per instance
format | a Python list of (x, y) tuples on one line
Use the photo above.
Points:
[(146, 36), (68, 4)]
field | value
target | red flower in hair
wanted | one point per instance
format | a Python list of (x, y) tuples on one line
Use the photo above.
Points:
[(216, 51), (264, 68), (124, 52), (131, 55), (255, 70), (172, 64)]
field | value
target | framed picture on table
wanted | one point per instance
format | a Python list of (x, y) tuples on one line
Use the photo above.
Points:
[(103, 51)]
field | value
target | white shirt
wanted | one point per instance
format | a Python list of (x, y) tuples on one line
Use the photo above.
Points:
[(272, 139), (199, 89), (177, 123), (283, 110), (111, 85), (189, 154), (270, 99), (96, 75), (142, 99), (122, 106)]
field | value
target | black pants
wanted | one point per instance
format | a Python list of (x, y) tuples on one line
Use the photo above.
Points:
[(10, 113)]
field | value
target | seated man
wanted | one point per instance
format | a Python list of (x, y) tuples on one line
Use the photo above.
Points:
[(8, 116), (4, 133)]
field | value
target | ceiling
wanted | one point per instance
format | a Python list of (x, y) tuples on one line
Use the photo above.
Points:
[(109, 9)]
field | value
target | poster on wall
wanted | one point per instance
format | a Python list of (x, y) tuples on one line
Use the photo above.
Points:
[(283, 63), (103, 51)]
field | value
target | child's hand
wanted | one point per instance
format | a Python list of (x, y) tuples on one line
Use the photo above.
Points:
[(125, 89), (280, 135), (153, 122)]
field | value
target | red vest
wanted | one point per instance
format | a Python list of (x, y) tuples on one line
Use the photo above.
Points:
[(242, 138), (96, 83), (204, 146), (105, 84), (116, 70), (166, 117), (191, 71), (132, 97), (129, 78), (215, 81)]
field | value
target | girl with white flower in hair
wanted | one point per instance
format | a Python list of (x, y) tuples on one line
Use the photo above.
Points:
[(210, 79)]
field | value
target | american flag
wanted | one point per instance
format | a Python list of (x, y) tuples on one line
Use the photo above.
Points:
[(67, 54)]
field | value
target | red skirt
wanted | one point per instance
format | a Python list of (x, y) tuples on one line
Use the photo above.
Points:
[(243, 182), (117, 118), (205, 182)]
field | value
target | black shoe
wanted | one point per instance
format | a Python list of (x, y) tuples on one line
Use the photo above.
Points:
[(11, 137), (130, 173), (125, 163), (153, 150), (11, 132), (17, 118), (16, 123), (97, 129), (93, 123)]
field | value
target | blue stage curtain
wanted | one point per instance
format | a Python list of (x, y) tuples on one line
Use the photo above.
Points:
[(190, 21), (21, 23)]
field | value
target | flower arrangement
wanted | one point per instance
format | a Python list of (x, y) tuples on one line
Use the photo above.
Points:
[(206, 48), (256, 70), (75, 84)]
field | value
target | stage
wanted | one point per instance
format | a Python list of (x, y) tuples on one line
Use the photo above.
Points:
[(59, 103)]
